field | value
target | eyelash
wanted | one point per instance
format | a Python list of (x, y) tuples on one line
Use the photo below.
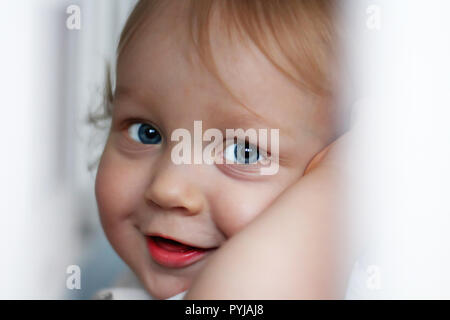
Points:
[(235, 165), (127, 124), (150, 130), (246, 145)]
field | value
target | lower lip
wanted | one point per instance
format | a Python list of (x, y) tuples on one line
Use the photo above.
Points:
[(173, 258)]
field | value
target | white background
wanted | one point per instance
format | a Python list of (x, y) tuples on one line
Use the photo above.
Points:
[(51, 76)]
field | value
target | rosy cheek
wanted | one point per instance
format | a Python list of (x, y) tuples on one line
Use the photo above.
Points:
[(113, 205), (237, 209), (110, 190), (105, 201)]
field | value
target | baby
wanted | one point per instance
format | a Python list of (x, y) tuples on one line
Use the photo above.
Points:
[(222, 230)]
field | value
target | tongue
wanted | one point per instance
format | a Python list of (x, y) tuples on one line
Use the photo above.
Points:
[(171, 245)]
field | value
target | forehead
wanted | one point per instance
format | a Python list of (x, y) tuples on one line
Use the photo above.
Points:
[(160, 63)]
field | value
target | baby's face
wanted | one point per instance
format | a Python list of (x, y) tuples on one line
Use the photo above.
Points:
[(141, 192)]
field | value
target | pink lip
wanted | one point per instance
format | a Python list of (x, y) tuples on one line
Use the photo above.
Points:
[(173, 255)]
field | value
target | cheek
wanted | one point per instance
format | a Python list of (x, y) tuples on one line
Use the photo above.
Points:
[(113, 191), (235, 208)]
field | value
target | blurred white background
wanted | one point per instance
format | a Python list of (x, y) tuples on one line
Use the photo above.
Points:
[(399, 59), (51, 77)]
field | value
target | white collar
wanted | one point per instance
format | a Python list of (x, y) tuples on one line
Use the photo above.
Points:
[(117, 293)]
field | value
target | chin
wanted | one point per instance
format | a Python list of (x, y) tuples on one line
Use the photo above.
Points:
[(163, 286), (163, 283), (165, 292)]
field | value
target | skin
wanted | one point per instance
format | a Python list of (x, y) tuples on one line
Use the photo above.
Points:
[(307, 255), (139, 190)]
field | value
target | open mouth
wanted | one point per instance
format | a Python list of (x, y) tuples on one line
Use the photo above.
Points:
[(173, 254), (172, 245)]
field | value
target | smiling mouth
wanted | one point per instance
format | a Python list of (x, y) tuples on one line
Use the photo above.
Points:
[(172, 245), (173, 254)]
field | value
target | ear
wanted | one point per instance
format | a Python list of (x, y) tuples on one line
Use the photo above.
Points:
[(315, 161)]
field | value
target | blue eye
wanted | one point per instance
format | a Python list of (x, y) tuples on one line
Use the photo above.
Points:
[(242, 153), (144, 133)]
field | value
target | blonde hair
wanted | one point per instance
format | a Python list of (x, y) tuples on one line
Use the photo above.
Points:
[(297, 36)]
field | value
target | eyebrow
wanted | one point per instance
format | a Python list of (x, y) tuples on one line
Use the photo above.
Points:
[(248, 118), (132, 94), (243, 120)]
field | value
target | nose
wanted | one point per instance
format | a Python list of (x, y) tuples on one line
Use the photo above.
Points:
[(172, 187)]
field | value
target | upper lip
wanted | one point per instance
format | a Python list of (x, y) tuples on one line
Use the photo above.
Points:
[(185, 242)]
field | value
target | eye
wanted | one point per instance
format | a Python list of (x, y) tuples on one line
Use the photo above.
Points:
[(242, 153), (144, 133)]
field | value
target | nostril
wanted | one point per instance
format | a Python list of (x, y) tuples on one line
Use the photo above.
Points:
[(171, 192), (168, 208), (189, 207)]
